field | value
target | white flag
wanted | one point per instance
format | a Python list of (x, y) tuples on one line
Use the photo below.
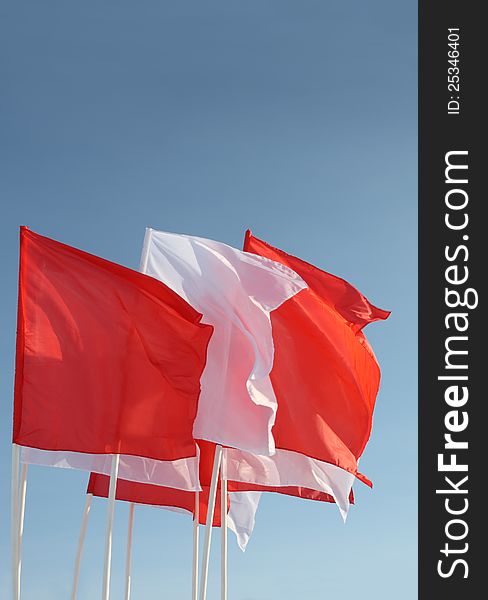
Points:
[(235, 291)]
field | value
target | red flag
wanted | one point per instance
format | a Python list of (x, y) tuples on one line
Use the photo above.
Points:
[(156, 495), (108, 359), (325, 374)]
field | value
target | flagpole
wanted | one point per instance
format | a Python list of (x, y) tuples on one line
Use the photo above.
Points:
[(208, 526), (196, 520), (114, 471), (15, 521), (223, 529), (22, 493), (81, 541), (21, 515), (128, 557)]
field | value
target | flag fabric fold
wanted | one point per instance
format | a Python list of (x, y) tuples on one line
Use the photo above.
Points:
[(108, 360), (236, 292)]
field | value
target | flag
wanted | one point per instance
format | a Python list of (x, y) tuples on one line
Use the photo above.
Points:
[(325, 377), (236, 292), (329, 363), (108, 361)]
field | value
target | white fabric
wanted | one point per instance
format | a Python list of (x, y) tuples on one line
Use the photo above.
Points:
[(180, 474), (286, 468), (235, 291), (242, 515)]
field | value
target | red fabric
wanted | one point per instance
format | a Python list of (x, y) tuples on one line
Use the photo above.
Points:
[(325, 374), (108, 359), (156, 495)]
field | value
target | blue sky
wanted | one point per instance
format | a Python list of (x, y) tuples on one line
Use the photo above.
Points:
[(297, 119)]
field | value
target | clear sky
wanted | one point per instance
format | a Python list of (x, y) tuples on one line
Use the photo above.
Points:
[(297, 119)]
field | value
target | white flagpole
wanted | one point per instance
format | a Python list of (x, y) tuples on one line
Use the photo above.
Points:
[(128, 557), (223, 529), (196, 519), (15, 522), (81, 541), (114, 471), (21, 515), (208, 526), (22, 493)]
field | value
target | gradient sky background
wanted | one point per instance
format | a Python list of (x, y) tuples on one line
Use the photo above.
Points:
[(297, 119)]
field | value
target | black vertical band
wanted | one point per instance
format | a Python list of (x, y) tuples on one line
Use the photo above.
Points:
[(453, 561)]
